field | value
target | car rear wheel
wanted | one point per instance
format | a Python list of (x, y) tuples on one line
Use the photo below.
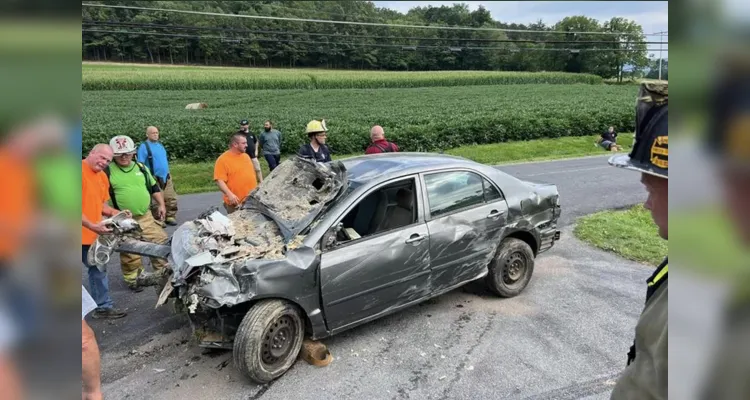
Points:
[(268, 340), (511, 268)]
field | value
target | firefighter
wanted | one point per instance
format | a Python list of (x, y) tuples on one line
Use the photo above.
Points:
[(132, 187), (645, 376), (317, 150)]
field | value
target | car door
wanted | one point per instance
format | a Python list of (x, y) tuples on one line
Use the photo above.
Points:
[(465, 214), (367, 277)]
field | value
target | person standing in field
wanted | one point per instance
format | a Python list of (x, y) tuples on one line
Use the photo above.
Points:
[(94, 195), (317, 150), (234, 173), (153, 154), (270, 142), (133, 187), (379, 144), (252, 147)]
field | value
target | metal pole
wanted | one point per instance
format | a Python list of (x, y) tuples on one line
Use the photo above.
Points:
[(661, 46)]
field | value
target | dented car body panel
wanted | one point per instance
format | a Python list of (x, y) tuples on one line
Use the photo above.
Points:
[(337, 251)]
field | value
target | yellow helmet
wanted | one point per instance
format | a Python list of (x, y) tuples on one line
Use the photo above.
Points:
[(316, 126)]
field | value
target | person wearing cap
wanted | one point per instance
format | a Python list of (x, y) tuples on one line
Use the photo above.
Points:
[(133, 187), (234, 174), (646, 373), (252, 147), (316, 150), (153, 154), (270, 142), (94, 196)]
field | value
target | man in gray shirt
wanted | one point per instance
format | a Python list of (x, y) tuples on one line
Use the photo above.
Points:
[(270, 142)]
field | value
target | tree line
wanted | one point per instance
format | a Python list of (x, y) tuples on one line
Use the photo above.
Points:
[(128, 35)]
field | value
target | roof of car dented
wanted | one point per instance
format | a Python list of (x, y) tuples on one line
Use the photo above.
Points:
[(366, 168)]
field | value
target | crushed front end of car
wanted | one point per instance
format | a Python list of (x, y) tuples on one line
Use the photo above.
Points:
[(221, 264)]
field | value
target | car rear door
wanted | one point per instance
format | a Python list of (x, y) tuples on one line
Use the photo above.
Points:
[(465, 215), (364, 278)]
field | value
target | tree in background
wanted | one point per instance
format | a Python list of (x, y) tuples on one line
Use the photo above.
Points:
[(126, 35)]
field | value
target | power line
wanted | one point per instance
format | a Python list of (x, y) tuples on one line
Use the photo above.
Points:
[(348, 22), (403, 47), (278, 32)]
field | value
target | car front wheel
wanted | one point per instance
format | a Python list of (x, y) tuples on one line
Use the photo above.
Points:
[(268, 340), (511, 268)]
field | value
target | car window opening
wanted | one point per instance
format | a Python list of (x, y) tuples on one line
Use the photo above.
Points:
[(389, 208)]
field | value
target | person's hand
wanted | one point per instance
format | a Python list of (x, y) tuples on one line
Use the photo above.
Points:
[(95, 395), (128, 213), (162, 212), (233, 199), (100, 228)]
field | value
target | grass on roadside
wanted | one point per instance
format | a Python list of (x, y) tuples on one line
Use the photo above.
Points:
[(198, 177), (629, 233)]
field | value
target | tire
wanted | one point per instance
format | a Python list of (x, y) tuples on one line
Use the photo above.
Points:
[(269, 323), (511, 269)]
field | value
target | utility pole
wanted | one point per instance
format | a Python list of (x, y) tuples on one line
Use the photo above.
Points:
[(661, 48)]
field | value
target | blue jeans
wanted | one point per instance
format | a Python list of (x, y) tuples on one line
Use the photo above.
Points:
[(273, 160), (98, 282)]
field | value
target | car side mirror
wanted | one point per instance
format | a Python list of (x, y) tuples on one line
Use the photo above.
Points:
[(330, 237)]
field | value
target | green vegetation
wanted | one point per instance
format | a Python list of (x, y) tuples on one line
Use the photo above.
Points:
[(144, 36), (630, 233), (132, 77), (418, 119), (197, 177)]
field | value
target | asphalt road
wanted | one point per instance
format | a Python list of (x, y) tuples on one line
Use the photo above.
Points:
[(565, 337)]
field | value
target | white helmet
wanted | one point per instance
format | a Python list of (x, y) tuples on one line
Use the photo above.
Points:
[(122, 144)]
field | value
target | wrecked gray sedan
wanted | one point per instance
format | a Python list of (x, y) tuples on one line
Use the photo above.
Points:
[(321, 248)]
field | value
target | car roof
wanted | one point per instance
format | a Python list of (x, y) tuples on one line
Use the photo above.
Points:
[(363, 169)]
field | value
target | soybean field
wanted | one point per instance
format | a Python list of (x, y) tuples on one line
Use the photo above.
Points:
[(430, 118)]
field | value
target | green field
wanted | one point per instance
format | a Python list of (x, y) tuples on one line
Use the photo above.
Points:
[(138, 77), (418, 119)]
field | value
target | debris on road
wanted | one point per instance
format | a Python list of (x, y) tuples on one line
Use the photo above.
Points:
[(316, 353)]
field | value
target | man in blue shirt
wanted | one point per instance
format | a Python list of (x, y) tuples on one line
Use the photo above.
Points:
[(153, 154)]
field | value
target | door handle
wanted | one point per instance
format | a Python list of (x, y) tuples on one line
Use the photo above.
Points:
[(495, 213), (415, 238)]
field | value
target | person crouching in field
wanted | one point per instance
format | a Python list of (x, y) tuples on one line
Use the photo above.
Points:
[(608, 140)]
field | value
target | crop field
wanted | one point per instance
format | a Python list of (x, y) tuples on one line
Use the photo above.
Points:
[(137, 77), (418, 119)]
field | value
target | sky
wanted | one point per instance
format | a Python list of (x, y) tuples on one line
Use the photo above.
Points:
[(651, 15)]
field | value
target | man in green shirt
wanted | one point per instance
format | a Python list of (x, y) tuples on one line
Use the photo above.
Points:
[(132, 186)]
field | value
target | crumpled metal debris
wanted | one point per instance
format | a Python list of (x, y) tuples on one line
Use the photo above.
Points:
[(102, 248)]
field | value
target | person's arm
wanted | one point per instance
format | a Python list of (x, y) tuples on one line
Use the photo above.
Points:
[(233, 199), (159, 197), (142, 154), (98, 228), (256, 148), (90, 364), (221, 177)]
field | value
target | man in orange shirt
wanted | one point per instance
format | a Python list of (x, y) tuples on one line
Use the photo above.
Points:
[(234, 173), (94, 194)]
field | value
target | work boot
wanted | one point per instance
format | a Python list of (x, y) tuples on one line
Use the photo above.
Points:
[(171, 221), (135, 287), (108, 313)]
